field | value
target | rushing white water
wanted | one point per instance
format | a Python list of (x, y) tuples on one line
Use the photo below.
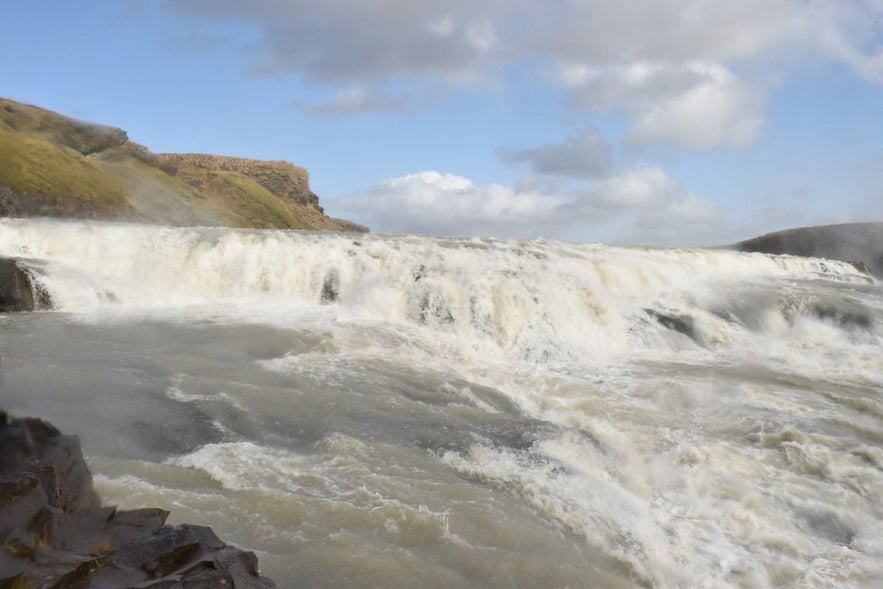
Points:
[(406, 411)]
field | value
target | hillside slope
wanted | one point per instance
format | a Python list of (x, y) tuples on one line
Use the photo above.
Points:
[(55, 166), (850, 242)]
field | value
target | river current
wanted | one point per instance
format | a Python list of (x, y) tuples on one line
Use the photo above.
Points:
[(400, 411)]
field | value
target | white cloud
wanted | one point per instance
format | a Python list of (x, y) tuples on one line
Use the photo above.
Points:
[(697, 104), (642, 186), (717, 108), (445, 204), (846, 31), (638, 205), (586, 154), (344, 41), (651, 208), (690, 73), (685, 71), (357, 99)]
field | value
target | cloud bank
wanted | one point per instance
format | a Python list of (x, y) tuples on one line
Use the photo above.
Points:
[(695, 73), (692, 75), (587, 154), (619, 208)]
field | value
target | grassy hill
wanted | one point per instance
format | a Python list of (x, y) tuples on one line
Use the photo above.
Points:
[(859, 243), (52, 165)]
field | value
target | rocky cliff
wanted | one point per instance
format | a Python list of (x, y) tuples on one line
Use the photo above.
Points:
[(52, 165), (280, 178), (55, 533)]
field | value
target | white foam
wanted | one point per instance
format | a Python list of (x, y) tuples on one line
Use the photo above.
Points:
[(536, 301)]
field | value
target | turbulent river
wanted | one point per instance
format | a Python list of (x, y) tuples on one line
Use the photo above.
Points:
[(399, 411)]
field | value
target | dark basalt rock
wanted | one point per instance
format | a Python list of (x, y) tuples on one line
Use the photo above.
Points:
[(683, 324), (55, 533), (16, 293), (18, 289), (330, 287)]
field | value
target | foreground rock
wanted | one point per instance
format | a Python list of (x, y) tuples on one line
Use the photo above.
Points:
[(860, 243), (55, 533)]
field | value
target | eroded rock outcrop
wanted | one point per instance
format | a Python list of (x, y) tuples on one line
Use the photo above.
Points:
[(55, 533)]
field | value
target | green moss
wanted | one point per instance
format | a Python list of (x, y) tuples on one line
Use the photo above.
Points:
[(34, 166)]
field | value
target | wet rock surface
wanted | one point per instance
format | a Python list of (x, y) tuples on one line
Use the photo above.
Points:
[(19, 291), (55, 533), (16, 292)]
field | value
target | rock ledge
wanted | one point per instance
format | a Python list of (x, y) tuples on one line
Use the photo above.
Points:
[(55, 533)]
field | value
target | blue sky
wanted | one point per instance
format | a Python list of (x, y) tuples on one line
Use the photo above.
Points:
[(669, 122)]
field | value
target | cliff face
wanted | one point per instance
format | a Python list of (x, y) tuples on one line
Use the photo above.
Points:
[(51, 165), (280, 178)]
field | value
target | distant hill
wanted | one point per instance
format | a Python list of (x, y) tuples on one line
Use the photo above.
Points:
[(55, 166), (849, 242)]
